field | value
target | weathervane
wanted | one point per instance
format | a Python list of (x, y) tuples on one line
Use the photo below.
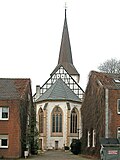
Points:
[(65, 5)]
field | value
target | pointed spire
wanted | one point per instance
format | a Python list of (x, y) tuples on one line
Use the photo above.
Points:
[(65, 12), (65, 54)]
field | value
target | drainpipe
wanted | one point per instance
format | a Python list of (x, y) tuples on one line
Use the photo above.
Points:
[(106, 115)]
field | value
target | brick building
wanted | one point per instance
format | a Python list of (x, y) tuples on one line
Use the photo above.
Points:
[(100, 110), (15, 111)]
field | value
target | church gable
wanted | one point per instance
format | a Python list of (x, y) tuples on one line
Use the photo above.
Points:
[(67, 79), (59, 91)]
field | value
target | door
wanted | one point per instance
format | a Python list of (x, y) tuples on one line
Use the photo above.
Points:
[(40, 144), (56, 145)]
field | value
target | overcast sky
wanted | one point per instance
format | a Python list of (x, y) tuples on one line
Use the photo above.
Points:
[(31, 31)]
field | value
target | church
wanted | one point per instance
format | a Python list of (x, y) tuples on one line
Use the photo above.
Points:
[(58, 101)]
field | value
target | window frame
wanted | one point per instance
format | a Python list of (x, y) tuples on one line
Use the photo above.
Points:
[(57, 121), (41, 121), (74, 122), (4, 137), (93, 138), (118, 106), (88, 139), (118, 132), (1, 113)]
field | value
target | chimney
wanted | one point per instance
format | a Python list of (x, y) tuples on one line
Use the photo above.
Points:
[(37, 91)]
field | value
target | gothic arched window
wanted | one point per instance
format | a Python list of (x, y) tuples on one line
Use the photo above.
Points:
[(57, 120), (41, 120), (73, 121)]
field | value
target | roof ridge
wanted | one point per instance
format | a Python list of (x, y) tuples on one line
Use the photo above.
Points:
[(14, 78)]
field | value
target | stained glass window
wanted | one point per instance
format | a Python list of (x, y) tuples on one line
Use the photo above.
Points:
[(57, 120), (41, 120), (73, 121)]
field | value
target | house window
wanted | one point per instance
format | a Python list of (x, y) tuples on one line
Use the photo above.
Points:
[(4, 113), (41, 120), (57, 120), (73, 121), (117, 80), (118, 106), (93, 138), (3, 141), (118, 132), (88, 139)]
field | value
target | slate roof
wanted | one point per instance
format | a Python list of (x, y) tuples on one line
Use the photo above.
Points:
[(59, 91), (107, 80), (65, 54), (12, 88)]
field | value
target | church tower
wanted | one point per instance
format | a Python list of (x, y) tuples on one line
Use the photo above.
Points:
[(58, 101), (65, 54)]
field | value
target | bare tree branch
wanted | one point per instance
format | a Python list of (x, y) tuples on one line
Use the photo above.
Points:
[(110, 66)]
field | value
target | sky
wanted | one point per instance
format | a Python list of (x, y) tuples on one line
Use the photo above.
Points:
[(31, 32)]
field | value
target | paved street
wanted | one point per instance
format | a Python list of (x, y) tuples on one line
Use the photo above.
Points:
[(58, 155)]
